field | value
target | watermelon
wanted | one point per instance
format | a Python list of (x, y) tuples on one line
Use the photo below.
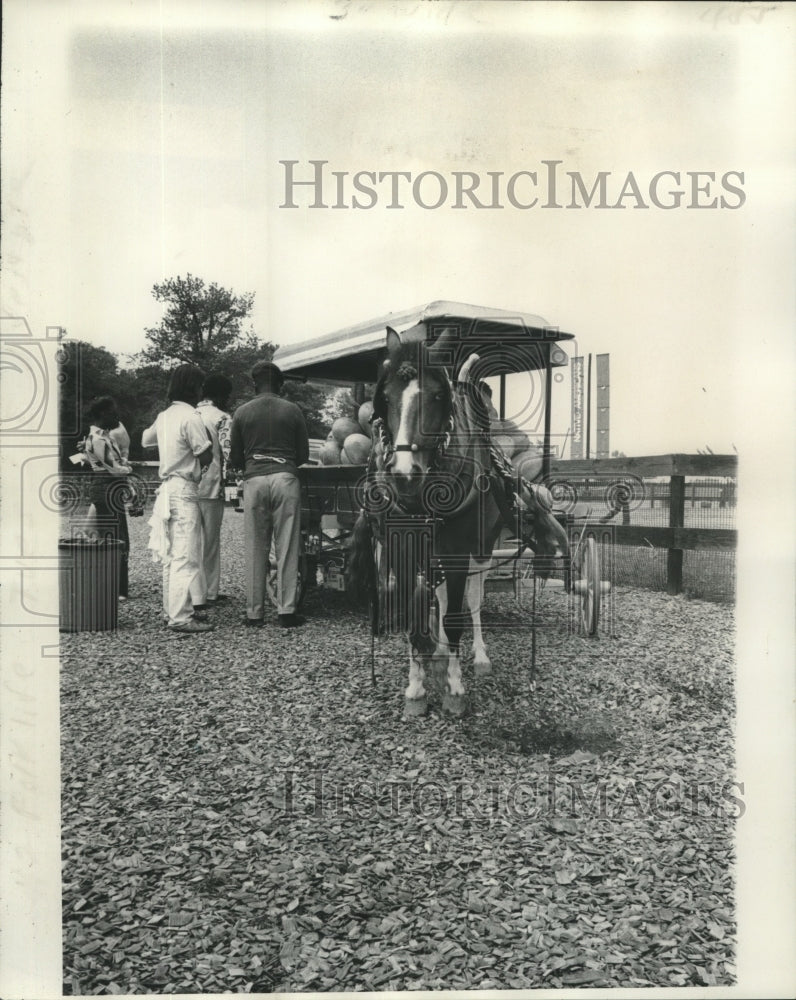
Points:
[(364, 415), (330, 452), (355, 449), (519, 437), (344, 426), (505, 442), (528, 463), (509, 437)]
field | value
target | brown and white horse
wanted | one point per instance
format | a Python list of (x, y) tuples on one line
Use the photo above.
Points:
[(434, 503)]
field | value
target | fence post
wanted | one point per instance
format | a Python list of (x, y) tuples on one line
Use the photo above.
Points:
[(674, 557)]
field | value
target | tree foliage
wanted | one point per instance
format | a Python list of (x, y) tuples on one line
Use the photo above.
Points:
[(88, 372), (201, 322), (85, 372), (202, 325), (312, 401)]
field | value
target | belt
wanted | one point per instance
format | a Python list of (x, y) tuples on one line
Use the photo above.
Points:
[(269, 458)]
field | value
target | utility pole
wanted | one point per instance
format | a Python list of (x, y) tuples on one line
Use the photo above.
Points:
[(588, 409)]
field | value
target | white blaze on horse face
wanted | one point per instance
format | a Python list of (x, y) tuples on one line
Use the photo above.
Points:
[(406, 461)]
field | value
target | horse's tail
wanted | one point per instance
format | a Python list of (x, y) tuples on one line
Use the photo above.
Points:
[(361, 580)]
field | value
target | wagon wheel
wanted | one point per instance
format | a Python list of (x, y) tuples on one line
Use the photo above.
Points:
[(587, 586), (271, 588)]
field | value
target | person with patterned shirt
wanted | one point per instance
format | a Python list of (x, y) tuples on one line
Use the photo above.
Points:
[(213, 411), (110, 471)]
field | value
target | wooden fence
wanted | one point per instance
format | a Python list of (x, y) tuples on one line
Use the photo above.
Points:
[(596, 476), (678, 469)]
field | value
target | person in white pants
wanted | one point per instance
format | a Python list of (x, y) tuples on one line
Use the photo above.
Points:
[(185, 451), (213, 411)]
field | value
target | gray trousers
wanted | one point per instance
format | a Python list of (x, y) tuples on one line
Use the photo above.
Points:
[(272, 511), (211, 515)]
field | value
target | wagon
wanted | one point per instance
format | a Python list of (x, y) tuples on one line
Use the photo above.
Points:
[(513, 347)]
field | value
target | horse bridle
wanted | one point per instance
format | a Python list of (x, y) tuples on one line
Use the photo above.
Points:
[(407, 371), (389, 448)]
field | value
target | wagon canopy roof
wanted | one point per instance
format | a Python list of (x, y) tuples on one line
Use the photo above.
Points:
[(517, 341)]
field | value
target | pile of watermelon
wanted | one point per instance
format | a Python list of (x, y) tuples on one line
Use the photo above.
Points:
[(349, 440), (514, 443)]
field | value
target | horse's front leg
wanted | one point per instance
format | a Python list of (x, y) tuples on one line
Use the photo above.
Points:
[(442, 603), (475, 596), (453, 624), (416, 702)]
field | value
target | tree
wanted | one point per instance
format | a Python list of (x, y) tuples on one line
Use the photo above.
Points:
[(201, 322), (141, 396), (312, 401), (203, 325), (86, 372), (236, 363)]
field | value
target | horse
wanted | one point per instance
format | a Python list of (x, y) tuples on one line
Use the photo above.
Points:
[(434, 501)]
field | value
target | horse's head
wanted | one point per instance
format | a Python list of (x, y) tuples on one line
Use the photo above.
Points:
[(414, 401)]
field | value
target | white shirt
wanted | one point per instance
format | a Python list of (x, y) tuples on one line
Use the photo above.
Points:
[(180, 436)]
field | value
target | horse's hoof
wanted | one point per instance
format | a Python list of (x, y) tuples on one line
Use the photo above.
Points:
[(482, 668), (454, 704), (415, 707)]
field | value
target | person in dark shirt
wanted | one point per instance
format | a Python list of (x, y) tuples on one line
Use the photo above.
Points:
[(269, 442)]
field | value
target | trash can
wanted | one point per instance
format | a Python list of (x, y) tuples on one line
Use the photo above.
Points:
[(88, 577)]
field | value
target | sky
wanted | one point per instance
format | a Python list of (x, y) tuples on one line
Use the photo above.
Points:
[(151, 136)]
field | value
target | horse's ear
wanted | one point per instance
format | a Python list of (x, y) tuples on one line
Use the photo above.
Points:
[(393, 340)]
